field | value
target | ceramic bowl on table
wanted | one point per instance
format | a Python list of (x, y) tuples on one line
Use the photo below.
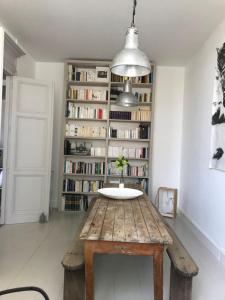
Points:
[(120, 193)]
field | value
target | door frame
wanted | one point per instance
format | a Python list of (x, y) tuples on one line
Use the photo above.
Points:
[(5, 148)]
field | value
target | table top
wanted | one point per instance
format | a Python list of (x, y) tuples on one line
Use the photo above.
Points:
[(134, 220)]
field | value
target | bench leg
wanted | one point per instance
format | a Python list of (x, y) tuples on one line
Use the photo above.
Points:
[(74, 284), (180, 286)]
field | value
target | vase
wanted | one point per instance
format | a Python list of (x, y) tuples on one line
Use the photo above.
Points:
[(121, 183)]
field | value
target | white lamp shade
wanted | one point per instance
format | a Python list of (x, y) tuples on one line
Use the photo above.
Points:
[(131, 61)]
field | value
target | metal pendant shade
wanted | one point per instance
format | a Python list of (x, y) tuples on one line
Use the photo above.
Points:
[(131, 61), (127, 98)]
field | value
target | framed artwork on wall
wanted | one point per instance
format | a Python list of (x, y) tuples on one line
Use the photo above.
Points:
[(217, 158), (166, 201)]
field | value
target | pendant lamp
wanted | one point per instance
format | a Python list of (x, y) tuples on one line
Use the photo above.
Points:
[(131, 61), (127, 98)]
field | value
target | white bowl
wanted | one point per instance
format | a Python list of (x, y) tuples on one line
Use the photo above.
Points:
[(120, 193)]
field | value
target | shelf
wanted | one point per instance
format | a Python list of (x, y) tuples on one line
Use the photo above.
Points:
[(87, 101), (89, 83), (105, 124), (129, 140), (134, 85), (113, 102), (138, 177), (83, 175), (88, 120), (84, 138), (106, 84), (128, 121), (83, 156), (140, 159), (82, 193)]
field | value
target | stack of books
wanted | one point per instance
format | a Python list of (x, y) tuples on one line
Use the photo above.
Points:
[(87, 186), (143, 97), (129, 170), (93, 168), (115, 151), (142, 114), (100, 74), (75, 202), (140, 132), (98, 151), (139, 79), (87, 94), (85, 112), (74, 130)]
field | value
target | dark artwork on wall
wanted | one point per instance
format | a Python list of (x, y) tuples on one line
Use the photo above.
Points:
[(218, 114)]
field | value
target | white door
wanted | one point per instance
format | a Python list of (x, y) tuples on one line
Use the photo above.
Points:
[(29, 150)]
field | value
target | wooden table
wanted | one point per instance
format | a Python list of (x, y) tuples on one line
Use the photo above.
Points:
[(131, 227)]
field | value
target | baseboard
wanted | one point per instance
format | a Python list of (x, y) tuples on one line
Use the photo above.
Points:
[(204, 238)]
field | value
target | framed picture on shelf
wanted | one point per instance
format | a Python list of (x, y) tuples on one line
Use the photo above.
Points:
[(102, 74), (166, 201)]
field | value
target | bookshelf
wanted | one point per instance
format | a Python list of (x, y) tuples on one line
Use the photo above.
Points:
[(93, 121)]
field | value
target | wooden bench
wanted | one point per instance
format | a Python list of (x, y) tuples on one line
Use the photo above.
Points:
[(183, 269), (73, 264)]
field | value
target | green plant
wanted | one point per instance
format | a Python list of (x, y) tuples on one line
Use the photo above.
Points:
[(121, 162)]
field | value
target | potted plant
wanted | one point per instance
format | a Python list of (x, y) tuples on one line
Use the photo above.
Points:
[(121, 163)]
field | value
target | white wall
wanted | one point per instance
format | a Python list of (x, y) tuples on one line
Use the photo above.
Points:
[(54, 72), (26, 66), (202, 194), (167, 129)]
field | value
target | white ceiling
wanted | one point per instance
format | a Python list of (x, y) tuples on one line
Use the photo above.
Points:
[(52, 30)]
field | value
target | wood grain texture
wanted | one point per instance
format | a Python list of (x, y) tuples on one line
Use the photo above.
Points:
[(134, 220), (181, 260)]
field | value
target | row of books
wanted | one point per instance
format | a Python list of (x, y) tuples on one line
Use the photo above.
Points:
[(71, 185), (87, 94), (141, 114), (98, 151), (143, 97), (85, 131), (129, 170), (100, 74), (75, 203), (139, 79), (115, 151), (141, 132), (85, 112), (79, 167), (82, 148)]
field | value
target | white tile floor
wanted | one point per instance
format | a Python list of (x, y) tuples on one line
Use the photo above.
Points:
[(30, 254)]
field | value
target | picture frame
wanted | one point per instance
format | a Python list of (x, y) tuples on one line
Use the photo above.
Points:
[(166, 202), (102, 74)]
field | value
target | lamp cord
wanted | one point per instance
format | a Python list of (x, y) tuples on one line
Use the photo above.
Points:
[(134, 12)]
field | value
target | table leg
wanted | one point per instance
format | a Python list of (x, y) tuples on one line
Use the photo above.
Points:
[(158, 275), (89, 278)]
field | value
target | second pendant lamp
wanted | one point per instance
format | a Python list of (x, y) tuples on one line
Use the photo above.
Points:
[(127, 98)]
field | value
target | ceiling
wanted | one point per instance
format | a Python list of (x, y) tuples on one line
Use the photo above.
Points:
[(171, 31)]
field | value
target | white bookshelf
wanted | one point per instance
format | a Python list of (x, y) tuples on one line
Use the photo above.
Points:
[(73, 90)]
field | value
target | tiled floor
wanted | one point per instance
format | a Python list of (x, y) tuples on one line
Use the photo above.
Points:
[(30, 254)]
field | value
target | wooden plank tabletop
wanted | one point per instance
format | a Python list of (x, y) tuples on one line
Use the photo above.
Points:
[(134, 220)]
